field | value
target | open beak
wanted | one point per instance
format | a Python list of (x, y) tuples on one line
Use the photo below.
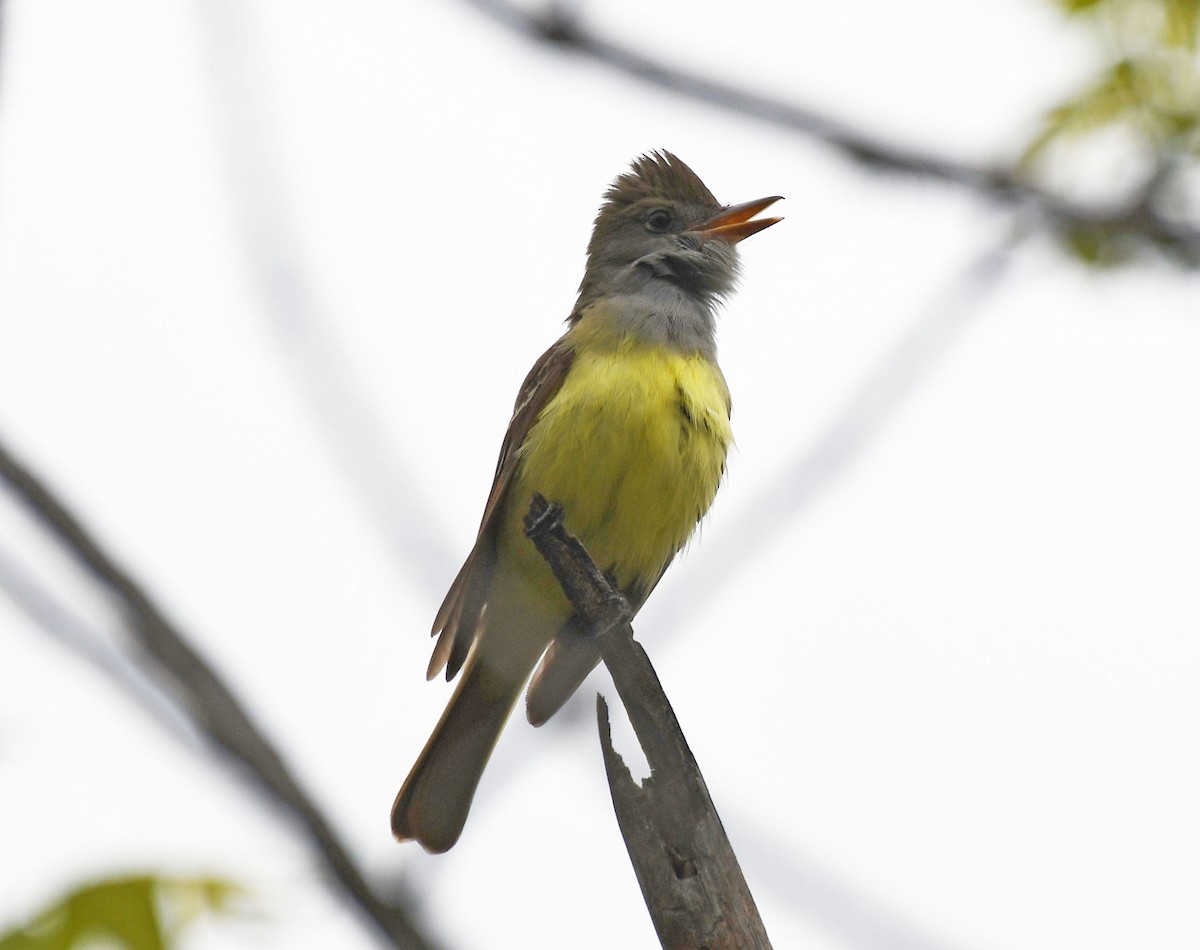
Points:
[(733, 223)]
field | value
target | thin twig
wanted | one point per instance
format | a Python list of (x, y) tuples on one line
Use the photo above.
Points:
[(1141, 218), (165, 654)]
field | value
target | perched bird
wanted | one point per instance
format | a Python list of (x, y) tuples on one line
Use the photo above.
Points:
[(625, 422)]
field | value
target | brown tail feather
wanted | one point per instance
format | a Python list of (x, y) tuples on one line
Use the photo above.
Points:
[(432, 805)]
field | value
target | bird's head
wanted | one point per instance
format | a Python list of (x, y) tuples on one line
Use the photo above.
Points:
[(660, 229)]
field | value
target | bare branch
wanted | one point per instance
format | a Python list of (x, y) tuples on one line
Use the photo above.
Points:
[(690, 877), (164, 653), (1141, 218)]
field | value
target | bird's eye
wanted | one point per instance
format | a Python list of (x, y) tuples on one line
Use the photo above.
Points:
[(658, 220)]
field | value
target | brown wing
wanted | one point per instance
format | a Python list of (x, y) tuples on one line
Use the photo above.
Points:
[(458, 620)]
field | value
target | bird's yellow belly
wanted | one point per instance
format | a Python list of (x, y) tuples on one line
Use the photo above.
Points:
[(633, 447)]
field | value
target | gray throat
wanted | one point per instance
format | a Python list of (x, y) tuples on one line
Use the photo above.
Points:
[(660, 312)]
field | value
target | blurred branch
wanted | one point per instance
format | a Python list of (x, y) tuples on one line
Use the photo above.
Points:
[(689, 875), (163, 652), (877, 398), (1140, 219), (301, 324), (835, 904), (86, 641)]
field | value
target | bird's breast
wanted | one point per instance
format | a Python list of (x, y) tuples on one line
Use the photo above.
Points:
[(633, 446)]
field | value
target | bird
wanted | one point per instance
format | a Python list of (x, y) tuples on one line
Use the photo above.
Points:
[(625, 423)]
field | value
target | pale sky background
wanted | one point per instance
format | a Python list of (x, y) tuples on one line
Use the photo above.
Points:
[(950, 703)]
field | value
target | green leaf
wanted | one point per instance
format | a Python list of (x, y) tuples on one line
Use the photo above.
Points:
[(1157, 96), (1182, 23), (143, 912), (1110, 99), (1097, 247), (1078, 6)]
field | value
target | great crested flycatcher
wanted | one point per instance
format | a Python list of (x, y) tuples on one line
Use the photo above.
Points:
[(625, 422)]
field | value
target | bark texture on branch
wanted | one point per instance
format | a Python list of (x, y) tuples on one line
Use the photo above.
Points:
[(690, 878)]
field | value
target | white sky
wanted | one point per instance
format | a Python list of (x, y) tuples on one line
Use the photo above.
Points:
[(951, 703)]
